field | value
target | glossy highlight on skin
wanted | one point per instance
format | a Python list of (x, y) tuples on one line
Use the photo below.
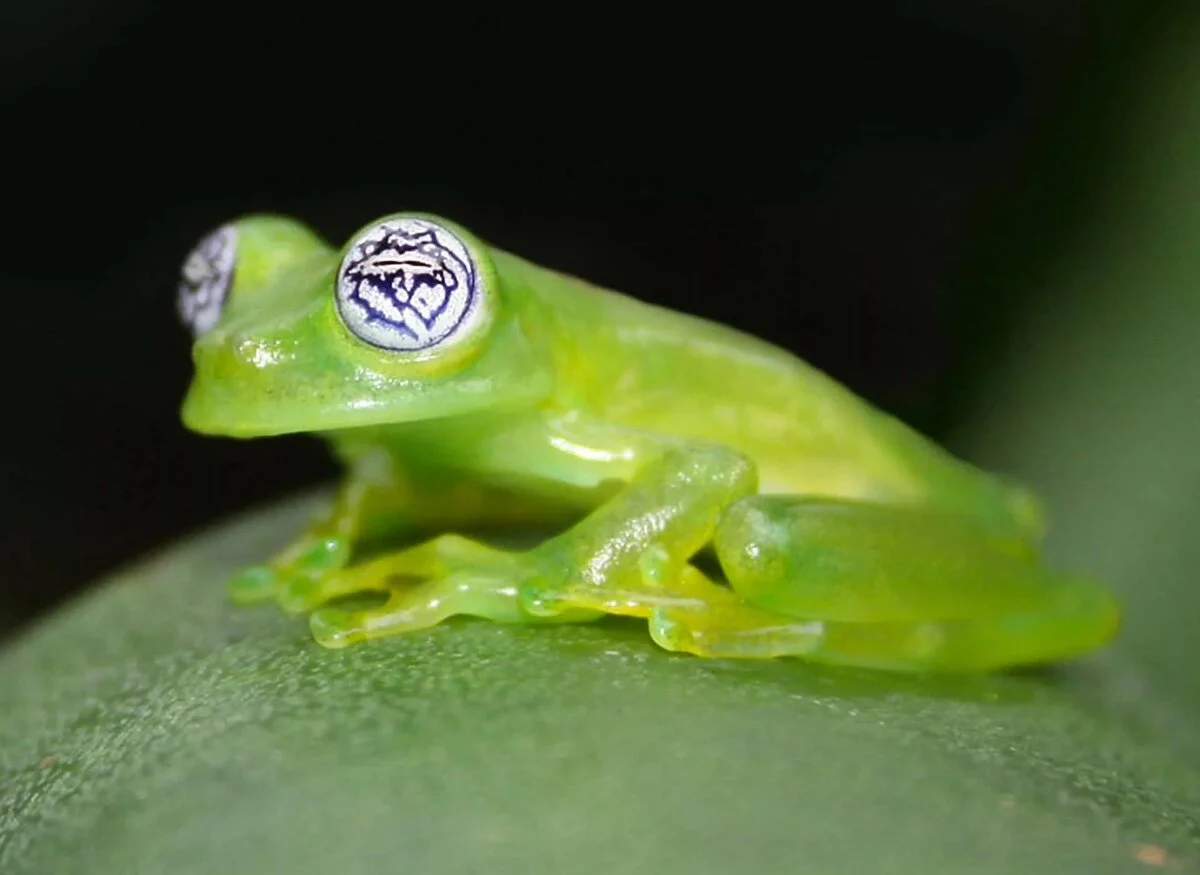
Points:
[(465, 388)]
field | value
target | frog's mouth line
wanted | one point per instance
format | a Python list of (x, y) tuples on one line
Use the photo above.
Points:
[(245, 421), (218, 413)]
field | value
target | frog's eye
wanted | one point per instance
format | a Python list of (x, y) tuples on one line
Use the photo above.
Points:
[(207, 278), (408, 285)]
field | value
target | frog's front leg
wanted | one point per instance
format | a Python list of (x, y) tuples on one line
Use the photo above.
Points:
[(627, 557), (326, 544), (381, 497)]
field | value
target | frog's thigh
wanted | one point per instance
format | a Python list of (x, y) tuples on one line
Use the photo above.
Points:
[(444, 577), (883, 587)]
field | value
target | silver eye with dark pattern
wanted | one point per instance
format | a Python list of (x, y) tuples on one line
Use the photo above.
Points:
[(409, 285), (207, 279)]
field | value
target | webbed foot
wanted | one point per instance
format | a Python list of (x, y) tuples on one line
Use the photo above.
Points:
[(303, 563), (447, 576)]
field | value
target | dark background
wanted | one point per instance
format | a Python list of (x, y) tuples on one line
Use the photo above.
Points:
[(840, 178)]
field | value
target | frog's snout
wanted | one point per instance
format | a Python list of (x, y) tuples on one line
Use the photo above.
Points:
[(230, 373)]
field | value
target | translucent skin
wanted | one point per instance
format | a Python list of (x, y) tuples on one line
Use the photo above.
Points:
[(649, 437)]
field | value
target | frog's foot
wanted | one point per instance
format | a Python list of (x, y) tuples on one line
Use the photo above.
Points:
[(718, 624), (740, 631), (445, 577), (305, 562), (725, 627), (437, 558), (326, 545)]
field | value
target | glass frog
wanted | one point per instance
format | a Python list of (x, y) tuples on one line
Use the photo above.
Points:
[(738, 500)]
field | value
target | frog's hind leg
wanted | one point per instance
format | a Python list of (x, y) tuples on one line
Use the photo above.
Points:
[(884, 587)]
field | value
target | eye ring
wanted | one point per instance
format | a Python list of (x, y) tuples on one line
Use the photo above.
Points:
[(408, 285), (207, 277)]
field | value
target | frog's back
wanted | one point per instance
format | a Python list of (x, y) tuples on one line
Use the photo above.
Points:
[(637, 364)]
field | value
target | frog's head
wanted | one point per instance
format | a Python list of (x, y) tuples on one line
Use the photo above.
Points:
[(408, 321)]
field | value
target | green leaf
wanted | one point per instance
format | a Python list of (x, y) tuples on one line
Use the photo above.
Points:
[(153, 727)]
